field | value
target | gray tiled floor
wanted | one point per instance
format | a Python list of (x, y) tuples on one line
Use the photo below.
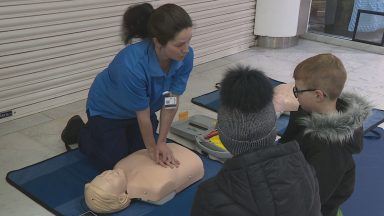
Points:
[(34, 138)]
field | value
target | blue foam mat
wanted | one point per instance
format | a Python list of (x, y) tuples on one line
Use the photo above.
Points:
[(211, 100), (58, 184), (368, 197), (374, 119)]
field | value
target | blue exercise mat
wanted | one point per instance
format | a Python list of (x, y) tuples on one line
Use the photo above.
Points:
[(373, 120), (211, 100), (58, 185), (368, 197)]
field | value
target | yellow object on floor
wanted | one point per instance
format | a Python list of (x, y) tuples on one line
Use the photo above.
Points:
[(183, 116), (217, 142)]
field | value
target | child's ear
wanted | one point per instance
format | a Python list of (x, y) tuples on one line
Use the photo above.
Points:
[(320, 95)]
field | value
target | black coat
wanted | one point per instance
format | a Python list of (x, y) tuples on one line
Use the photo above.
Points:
[(272, 181), (328, 142)]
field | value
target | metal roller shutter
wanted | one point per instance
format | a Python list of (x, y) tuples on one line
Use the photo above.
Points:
[(51, 50)]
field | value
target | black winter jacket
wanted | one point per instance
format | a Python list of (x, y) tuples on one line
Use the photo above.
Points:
[(328, 142), (272, 181)]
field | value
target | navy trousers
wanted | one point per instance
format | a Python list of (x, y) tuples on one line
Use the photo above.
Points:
[(106, 141)]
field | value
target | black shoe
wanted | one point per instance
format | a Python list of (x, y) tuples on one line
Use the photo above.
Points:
[(70, 134)]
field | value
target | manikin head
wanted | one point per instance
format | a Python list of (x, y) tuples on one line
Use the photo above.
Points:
[(107, 192), (283, 98)]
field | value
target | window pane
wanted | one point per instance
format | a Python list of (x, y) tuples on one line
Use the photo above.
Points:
[(370, 28), (338, 17)]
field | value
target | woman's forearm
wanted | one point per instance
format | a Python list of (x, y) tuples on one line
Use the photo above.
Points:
[(166, 118), (146, 128)]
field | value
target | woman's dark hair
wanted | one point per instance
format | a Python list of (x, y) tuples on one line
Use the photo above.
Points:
[(135, 21), (163, 23), (245, 89)]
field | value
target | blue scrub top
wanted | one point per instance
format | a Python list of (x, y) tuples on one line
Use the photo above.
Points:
[(134, 81)]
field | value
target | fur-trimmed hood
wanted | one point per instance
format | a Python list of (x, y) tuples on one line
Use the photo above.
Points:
[(338, 127)]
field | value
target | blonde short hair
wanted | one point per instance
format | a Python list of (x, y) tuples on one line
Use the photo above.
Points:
[(100, 201), (325, 72)]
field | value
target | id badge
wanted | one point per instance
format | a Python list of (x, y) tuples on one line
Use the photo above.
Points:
[(170, 101)]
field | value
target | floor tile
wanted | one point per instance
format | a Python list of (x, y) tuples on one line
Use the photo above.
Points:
[(22, 123)]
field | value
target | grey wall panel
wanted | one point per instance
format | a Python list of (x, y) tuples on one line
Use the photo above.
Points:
[(51, 50)]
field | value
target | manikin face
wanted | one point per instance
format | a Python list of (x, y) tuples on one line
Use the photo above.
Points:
[(111, 181), (177, 48)]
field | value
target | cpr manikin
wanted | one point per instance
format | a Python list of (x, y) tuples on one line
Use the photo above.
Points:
[(137, 176), (283, 98)]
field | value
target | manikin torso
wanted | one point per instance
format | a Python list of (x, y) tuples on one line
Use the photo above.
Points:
[(151, 182)]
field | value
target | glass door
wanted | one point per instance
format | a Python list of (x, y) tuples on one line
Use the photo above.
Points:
[(339, 17)]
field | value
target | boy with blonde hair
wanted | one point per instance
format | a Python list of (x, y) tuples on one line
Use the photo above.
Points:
[(327, 126)]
